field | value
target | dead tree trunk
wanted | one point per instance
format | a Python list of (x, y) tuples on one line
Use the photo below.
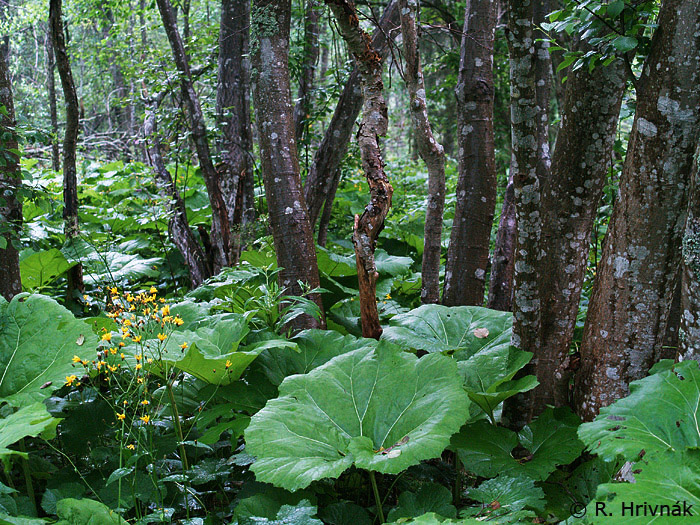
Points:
[(302, 110), (324, 175), (689, 343), (374, 125), (178, 226), (220, 230), (233, 113), (10, 183), (53, 112), (70, 141), (468, 253), (291, 230), (430, 150), (631, 298)]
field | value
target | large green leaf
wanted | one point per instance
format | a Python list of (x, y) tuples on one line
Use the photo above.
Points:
[(437, 328), (663, 481), (380, 409), (109, 267), (301, 514), (512, 498), (38, 338), (86, 512), (430, 497), (42, 268), (550, 440), (661, 413), (212, 353), (434, 519), (315, 347), (488, 375), (29, 421)]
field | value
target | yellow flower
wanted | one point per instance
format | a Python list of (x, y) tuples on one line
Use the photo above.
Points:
[(76, 359), (130, 298), (162, 337), (138, 357), (145, 402), (107, 336), (132, 308), (113, 351), (149, 360), (114, 290), (162, 300), (165, 310), (130, 446), (139, 380), (228, 364), (138, 366), (127, 322), (125, 329), (121, 417), (71, 379), (145, 418), (121, 344), (178, 321), (153, 290), (112, 368), (388, 296), (125, 402), (122, 355), (86, 298), (137, 339), (184, 346)]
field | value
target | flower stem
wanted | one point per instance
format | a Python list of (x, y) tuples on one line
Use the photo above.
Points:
[(27, 475), (176, 423), (380, 511)]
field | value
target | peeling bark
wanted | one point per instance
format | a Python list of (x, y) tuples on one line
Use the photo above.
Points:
[(689, 347), (430, 151), (10, 183), (631, 297), (291, 230), (178, 226), (374, 125), (233, 116), (324, 174), (468, 253), (220, 229), (70, 179), (302, 110)]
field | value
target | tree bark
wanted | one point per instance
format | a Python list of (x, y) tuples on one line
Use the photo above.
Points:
[(302, 110), (291, 230), (233, 113), (324, 174), (374, 125), (53, 112), (10, 184), (70, 179), (629, 307), (220, 230), (178, 226), (430, 151), (468, 252), (503, 260), (689, 342)]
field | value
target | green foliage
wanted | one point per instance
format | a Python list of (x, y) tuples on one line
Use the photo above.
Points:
[(341, 414), (38, 338), (41, 268), (31, 420), (430, 497), (86, 512)]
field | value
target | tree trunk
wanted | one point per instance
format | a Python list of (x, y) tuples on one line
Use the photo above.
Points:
[(10, 183), (302, 110), (629, 307), (70, 179), (689, 343), (430, 151), (468, 253), (530, 168), (220, 230), (233, 112), (53, 112), (178, 226), (291, 230), (503, 260), (374, 125), (324, 173)]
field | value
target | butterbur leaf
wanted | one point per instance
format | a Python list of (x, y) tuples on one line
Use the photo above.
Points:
[(432, 518), (660, 413), (430, 497), (267, 504), (42, 268), (550, 440), (300, 514), (437, 328), (86, 512), (38, 338), (351, 410), (509, 495), (30, 421), (345, 513)]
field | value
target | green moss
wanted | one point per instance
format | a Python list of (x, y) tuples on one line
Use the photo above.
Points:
[(263, 23)]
